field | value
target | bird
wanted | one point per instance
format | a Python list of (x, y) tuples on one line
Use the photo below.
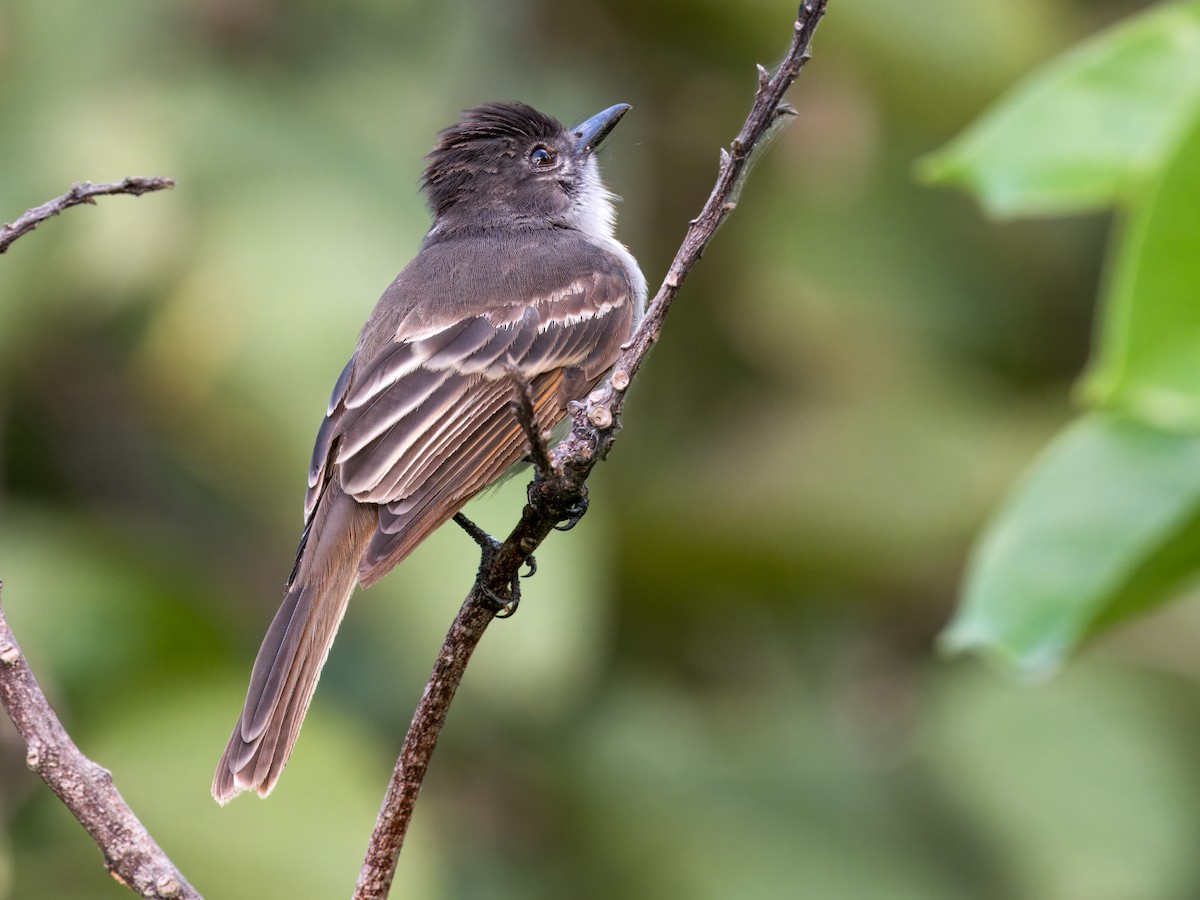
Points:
[(519, 276)]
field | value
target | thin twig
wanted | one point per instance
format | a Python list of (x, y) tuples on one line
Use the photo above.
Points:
[(375, 879), (558, 498), (131, 855), (522, 402), (82, 192)]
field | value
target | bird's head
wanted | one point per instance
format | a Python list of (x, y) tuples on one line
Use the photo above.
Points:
[(507, 164)]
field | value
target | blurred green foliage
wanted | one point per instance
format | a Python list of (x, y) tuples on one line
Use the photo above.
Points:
[(1086, 131), (1105, 524), (721, 684)]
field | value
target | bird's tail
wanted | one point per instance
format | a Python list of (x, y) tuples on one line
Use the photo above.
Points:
[(297, 643)]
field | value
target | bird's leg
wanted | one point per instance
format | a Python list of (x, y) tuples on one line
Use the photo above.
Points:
[(488, 546), (487, 543)]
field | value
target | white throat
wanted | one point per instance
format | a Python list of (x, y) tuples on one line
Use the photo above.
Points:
[(593, 214)]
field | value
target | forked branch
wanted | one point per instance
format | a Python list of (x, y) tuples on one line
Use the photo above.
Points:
[(131, 855)]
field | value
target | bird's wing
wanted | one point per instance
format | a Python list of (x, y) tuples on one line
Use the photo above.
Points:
[(427, 423)]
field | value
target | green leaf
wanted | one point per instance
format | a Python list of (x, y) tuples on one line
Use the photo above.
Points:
[(1147, 360), (1081, 132), (1087, 534)]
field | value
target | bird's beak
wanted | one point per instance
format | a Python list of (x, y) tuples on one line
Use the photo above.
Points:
[(596, 129)]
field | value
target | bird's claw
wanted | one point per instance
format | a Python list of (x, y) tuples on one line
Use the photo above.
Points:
[(507, 607), (574, 514), (544, 504)]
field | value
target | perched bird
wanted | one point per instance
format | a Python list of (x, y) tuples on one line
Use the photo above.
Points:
[(519, 272)]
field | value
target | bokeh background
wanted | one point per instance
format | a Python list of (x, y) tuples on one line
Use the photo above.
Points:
[(724, 682)]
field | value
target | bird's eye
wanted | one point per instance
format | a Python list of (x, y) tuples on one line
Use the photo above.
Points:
[(541, 158)]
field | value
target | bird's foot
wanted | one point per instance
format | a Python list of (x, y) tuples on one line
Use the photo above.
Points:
[(547, 501), (488, 546), (574, 512)]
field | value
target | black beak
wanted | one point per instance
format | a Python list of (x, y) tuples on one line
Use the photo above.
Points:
[(596, 129)]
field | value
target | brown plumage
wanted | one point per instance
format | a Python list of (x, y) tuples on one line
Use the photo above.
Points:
[(519, 269)]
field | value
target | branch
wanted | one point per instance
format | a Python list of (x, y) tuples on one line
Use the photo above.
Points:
[(82, 192), (558, 498), (375, 879), (130, 854)]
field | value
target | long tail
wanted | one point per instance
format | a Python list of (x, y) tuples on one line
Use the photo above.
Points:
[(297, 643)]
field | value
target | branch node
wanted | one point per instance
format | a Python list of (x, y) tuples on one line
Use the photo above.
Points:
[(620, 381), (601, 417), (9, 654), (167, 887), (33, 756)]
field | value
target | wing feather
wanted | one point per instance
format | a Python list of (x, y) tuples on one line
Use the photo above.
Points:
[(495, 446), (410, 461), (394, 364), (371, 446), (475, 333)]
